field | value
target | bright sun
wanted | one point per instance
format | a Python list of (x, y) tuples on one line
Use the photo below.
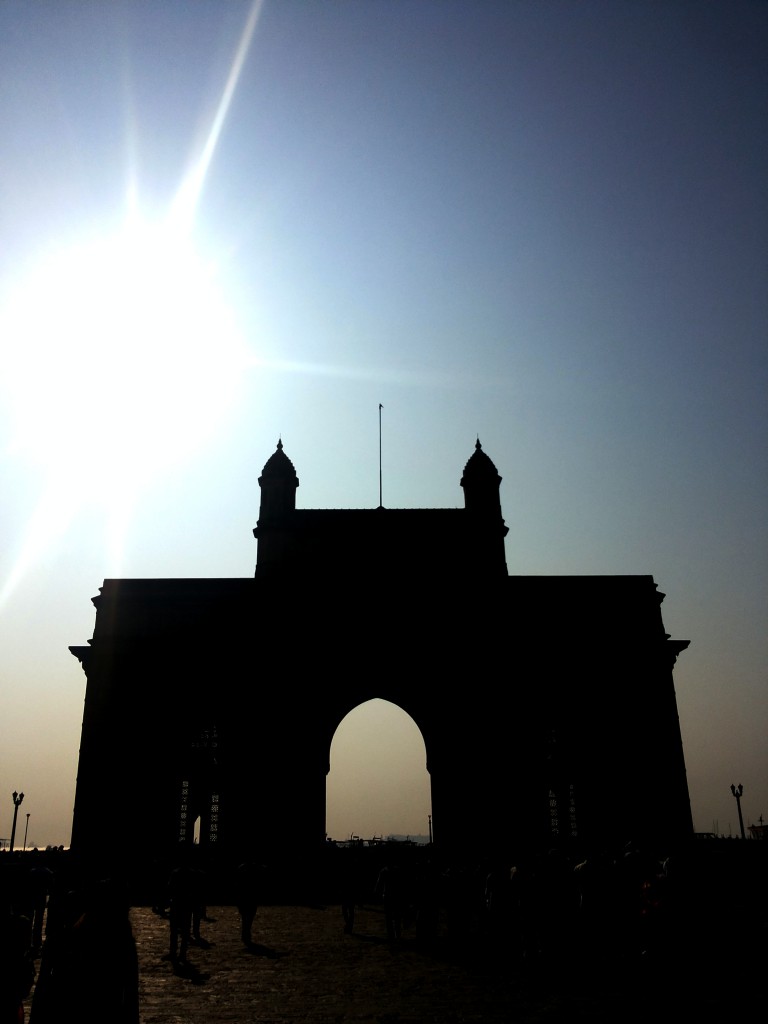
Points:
[(120, 357)]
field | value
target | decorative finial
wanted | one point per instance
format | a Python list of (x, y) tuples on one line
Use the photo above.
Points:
[(478, 446), (279, 444)]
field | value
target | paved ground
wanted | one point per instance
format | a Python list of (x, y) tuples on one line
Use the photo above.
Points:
[(306, 970), (303, 969)]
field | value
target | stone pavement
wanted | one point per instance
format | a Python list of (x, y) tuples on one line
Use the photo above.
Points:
[(306, 970)]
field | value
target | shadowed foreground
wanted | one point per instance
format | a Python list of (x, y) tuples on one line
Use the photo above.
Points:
[(304, 968)]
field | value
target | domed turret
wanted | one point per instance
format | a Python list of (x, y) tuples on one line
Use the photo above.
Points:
[(482, 502), (278, 483), (481, 483)]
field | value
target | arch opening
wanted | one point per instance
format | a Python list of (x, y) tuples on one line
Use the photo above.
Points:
[(378, 785)]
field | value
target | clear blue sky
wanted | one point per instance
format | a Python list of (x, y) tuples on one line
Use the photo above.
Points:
[(545, 223)]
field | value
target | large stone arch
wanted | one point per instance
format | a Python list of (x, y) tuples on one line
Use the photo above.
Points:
[(538, 698)]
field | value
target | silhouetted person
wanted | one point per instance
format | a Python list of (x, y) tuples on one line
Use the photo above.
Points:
[(17, 967), (199, 903), (184, 903), (634, 873), (427, 897), (41, 880), (352, 887), (463, 894), (499, 902), (160, 871), (555, 897), (594, 877), (90, 970), (391, 888), (249, 892), (524, 906)]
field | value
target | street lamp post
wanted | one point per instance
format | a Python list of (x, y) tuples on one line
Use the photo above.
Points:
[(736, 790), (17, 798), (26, 829)]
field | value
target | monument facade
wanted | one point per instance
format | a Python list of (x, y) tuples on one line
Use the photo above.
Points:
[(546, 704)]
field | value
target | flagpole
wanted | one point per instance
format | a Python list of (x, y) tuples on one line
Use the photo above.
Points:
[(381, 503)]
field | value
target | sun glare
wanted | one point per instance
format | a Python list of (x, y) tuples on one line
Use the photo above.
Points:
[(120, 358), (122, 348)]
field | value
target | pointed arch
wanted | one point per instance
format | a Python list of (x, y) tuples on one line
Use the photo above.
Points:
[(378, 772)]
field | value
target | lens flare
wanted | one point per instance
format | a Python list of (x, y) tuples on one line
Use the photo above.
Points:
[(119, 356)]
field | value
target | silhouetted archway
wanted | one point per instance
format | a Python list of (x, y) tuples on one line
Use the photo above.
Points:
[(546, 704)]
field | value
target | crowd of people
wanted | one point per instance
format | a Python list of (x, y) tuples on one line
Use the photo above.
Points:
[(66, 934)]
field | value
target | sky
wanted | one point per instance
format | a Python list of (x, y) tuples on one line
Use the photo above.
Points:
[(539, 222)]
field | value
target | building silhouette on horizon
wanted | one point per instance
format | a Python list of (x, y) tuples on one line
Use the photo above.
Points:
[(546, 703)]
